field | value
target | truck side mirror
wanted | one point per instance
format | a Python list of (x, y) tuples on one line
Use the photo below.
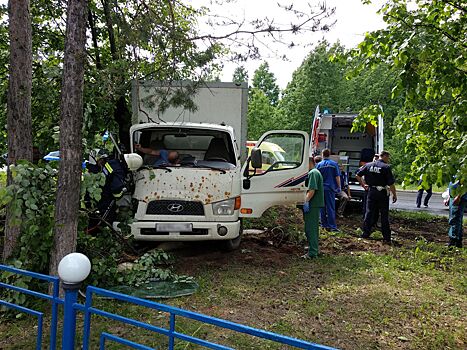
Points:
[(256, 158)]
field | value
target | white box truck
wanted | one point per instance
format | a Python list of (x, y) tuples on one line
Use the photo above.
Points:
[(332, 130), (212, 187)]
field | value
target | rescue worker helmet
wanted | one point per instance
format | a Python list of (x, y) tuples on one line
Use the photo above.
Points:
[(133, 161)]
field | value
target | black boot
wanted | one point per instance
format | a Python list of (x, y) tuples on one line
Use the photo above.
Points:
[(459, 243), (453, 242)]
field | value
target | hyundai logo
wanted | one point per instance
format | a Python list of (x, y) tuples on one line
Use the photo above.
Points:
[(175, 207)]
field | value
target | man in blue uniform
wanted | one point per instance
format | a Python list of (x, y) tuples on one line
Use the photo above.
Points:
[(329, 169), (457, 205), (376, 177)]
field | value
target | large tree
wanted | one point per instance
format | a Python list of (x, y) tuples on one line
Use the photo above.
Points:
[(264, 80), (240, 75), (318, 81), (425, 40), (71, 117), (19, 101), (261, 115)]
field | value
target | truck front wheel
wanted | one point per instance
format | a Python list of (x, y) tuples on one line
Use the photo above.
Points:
[(233, 244)]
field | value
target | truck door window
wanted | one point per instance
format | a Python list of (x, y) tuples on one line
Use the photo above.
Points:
[(281, 151)]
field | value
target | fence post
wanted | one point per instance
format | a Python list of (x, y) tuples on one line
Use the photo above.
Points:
[(73, 270), (69, 316)]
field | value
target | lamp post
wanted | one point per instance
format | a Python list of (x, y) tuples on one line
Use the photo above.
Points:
[(73, 269)]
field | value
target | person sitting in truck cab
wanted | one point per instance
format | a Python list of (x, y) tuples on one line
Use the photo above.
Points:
[(165, 157)]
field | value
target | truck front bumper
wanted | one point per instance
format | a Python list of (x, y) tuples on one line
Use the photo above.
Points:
[(201, 231)]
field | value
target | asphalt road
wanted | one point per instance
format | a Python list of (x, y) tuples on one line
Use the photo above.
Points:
[(406, 201)]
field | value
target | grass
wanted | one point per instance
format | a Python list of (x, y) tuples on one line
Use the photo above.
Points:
[(415, 215), (420, 216), (410, 299), (357, 295), (414, 187)]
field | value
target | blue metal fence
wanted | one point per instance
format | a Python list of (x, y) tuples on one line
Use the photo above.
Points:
[(71, 306)]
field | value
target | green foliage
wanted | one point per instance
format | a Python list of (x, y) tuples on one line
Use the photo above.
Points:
[(261, 114), (104, 251), (316, 82), (240, 75), (425, 44), (367, 115), (126, 43), (152, 266), (2, 178), (31, 197), (265, 81)]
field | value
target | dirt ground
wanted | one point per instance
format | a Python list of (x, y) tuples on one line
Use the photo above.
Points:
[(275, 242)]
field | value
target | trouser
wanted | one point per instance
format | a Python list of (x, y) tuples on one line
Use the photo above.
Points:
[(343, 200), (312, 230), (328, 213), (364, 200), (377, 202), (429, 192), (456, 215)]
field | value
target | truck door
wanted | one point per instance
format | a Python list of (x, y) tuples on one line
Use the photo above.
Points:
[(281, 180), (315, 126)]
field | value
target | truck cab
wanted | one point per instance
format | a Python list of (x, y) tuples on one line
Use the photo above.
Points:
[(206, 192)]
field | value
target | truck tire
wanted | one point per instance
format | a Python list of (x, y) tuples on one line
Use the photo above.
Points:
[(233, 244)]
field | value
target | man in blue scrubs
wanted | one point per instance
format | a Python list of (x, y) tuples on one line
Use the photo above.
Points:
[(329, 169)]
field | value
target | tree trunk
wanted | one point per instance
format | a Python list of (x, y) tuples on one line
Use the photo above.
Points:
[(71, 120), (92, 26), (19, 124), (122, 114)]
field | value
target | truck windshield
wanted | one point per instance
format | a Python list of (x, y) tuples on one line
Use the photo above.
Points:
[(185, 147)]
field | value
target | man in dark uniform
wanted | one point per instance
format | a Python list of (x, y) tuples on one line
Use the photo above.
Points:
[(115, 173), (376, 177)]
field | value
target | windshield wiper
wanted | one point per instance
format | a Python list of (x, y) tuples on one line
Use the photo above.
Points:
[(150, 167), (196, 165)]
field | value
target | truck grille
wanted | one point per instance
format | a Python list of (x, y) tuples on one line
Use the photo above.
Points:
[(168, 207)]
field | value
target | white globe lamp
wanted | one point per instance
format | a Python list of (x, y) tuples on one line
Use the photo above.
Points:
[(74, 268)]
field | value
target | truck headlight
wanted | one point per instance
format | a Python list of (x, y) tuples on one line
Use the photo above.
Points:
[(226, 207)]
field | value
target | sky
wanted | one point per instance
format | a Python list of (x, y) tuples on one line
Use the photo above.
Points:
[(352, 19)]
